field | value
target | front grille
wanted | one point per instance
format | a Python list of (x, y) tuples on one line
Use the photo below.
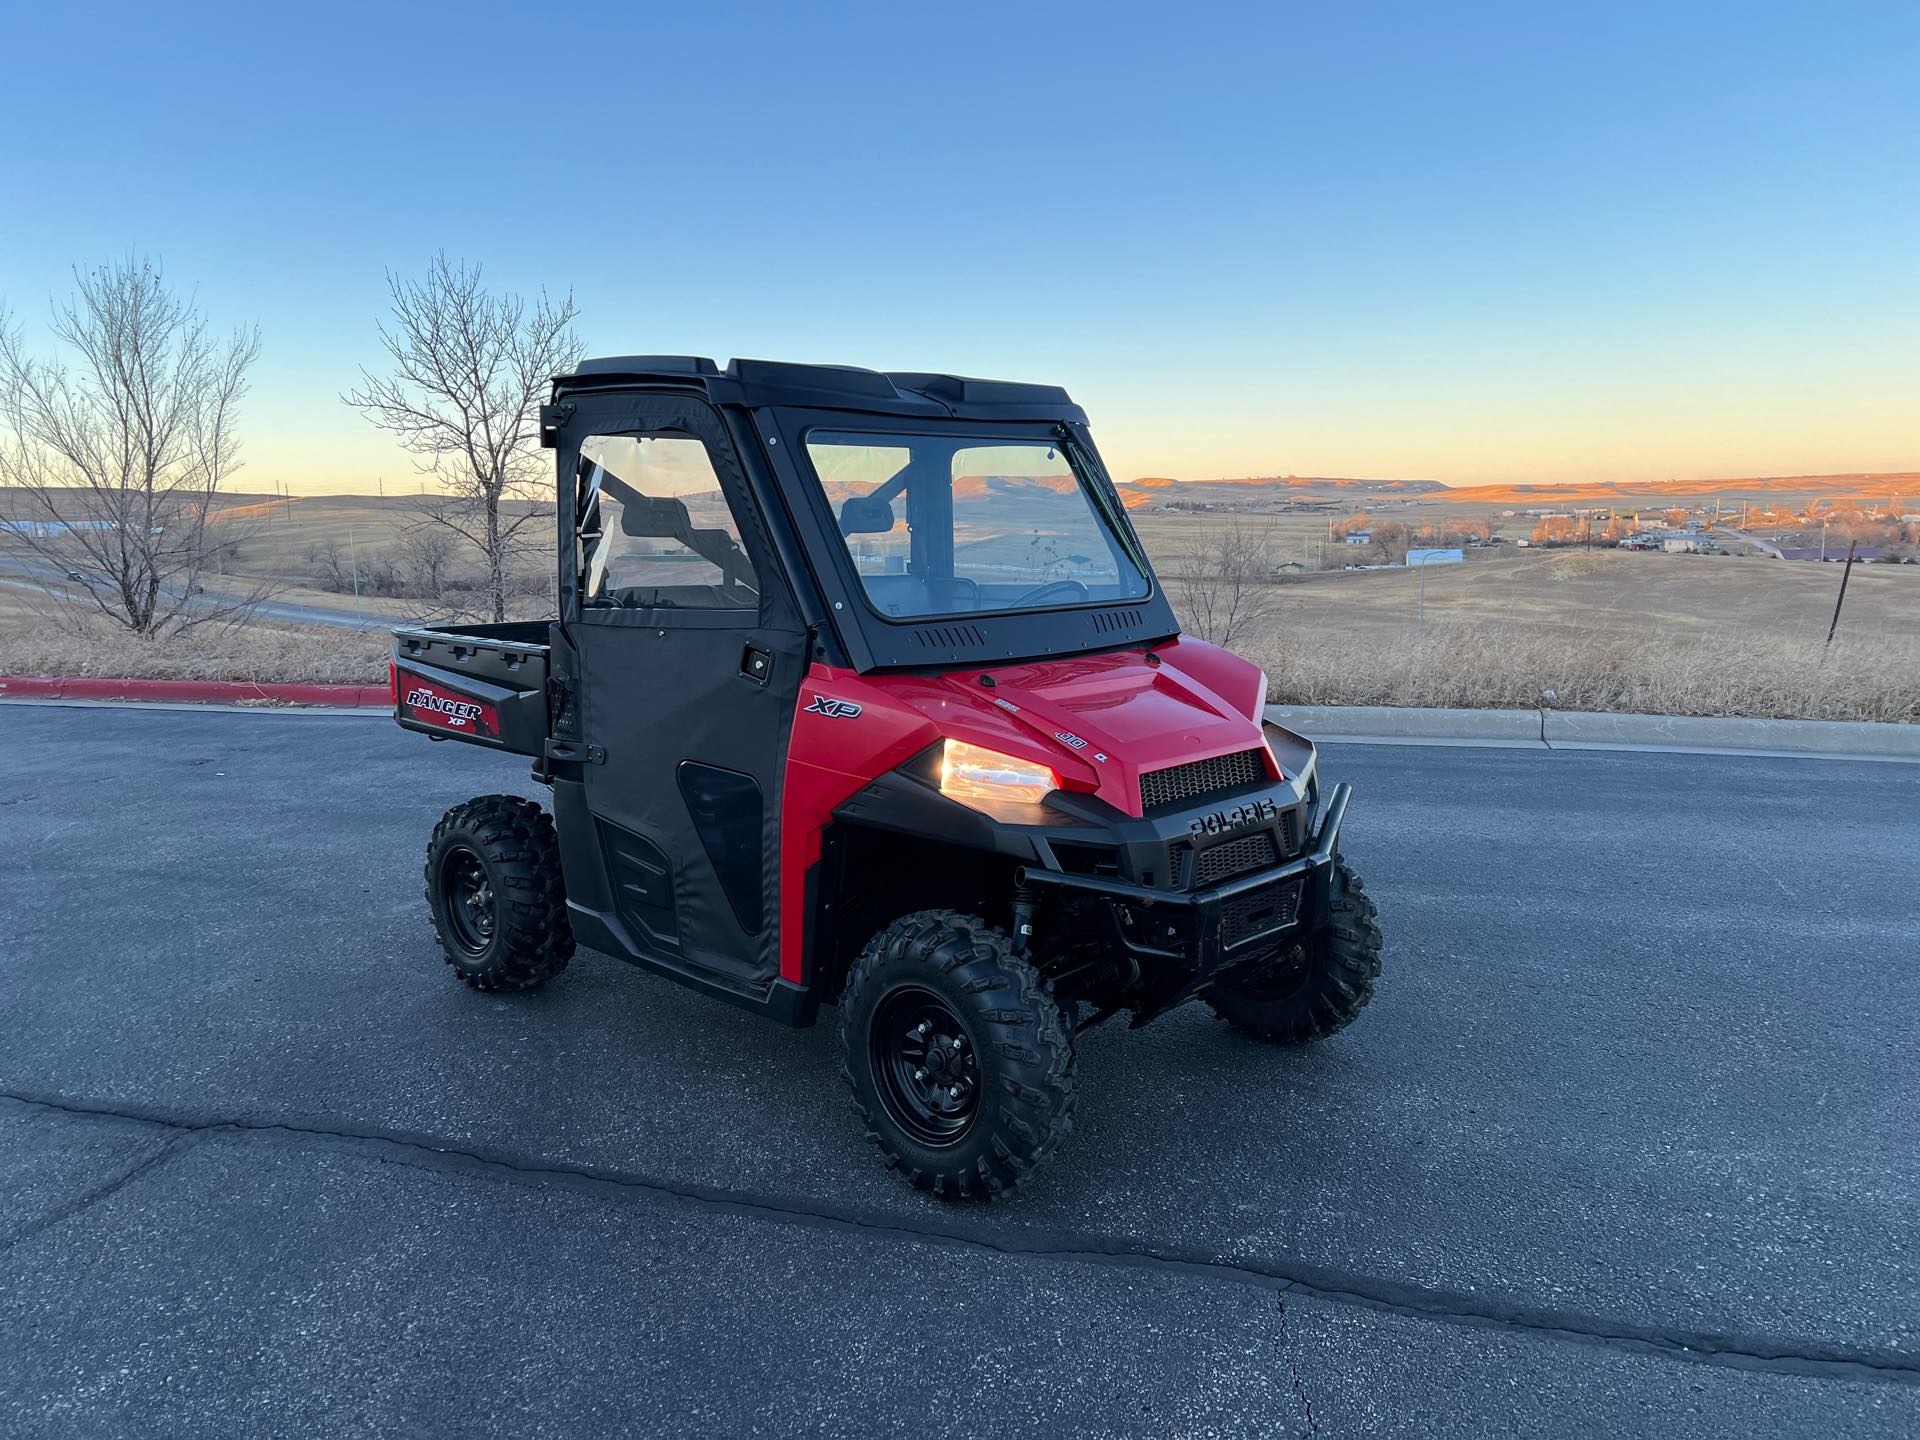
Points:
[(1236, 857), (1160, 788), (1259, 911)]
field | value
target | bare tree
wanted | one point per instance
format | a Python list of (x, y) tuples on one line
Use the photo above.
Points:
[(470, 371), (426, 554), (330, 567), (114, 461), (1223, 581)]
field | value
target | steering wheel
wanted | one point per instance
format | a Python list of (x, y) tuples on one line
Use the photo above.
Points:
[(1081, 591)]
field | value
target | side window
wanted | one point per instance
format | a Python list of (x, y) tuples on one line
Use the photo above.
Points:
[(655, 530)]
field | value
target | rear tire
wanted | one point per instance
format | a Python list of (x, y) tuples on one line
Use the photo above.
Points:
[(960, 1062), (495, 889), (1312, 990)]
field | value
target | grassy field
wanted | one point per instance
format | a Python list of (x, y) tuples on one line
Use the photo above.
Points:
[(1603, 629)]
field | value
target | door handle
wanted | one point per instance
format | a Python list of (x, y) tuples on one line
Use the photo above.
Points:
[(756, 663)]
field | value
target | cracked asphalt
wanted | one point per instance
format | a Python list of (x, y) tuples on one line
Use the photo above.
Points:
[(1625, 1144)]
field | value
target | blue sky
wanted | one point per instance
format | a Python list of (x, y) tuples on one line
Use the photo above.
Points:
[(1460, 242)]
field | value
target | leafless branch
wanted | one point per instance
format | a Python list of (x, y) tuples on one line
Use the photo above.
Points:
[(110, 465), (1223, 581), (470, 370)]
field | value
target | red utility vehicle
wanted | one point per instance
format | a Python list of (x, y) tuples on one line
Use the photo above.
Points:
[(863, 692)]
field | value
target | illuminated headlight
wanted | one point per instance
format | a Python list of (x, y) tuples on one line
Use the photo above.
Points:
[(972, 773)]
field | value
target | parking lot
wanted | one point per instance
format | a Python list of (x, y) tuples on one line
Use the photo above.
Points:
[(1626, 1142)]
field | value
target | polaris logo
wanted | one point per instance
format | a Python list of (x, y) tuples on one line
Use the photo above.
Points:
[(832, 709), (1254, 812), (457, 712)]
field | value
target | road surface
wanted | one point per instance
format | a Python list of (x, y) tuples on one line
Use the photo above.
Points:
[(29, 574), (1625, 1144)]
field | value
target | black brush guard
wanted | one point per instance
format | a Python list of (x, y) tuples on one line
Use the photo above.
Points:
[(1180, 940)]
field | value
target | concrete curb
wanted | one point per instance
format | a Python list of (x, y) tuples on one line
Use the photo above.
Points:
[(1581, 729), (1388, 721), (87, 687)]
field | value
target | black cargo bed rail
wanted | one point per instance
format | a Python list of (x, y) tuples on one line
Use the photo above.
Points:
[(482, 683)]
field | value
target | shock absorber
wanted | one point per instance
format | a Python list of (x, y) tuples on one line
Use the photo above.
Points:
[(1023, 907)]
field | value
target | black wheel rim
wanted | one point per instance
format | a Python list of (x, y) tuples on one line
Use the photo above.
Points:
[(925, 1066), (467, 893), (1279, 978)]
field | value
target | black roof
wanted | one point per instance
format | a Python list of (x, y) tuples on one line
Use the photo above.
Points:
[(828, 387)]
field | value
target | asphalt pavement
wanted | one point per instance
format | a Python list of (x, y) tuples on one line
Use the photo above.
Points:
[(1624, 1145)]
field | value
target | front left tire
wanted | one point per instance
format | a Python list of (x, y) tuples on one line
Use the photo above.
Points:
[(959, 1060)]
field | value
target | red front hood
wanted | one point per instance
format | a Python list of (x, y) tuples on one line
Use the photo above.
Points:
[(1098, 720)]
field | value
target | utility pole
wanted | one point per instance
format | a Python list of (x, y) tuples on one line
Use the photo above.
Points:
[(353, 558), (1852, 545)]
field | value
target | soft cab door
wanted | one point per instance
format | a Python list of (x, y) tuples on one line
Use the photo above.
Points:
[(690, 655)]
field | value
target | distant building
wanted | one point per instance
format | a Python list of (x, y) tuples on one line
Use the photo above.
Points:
[(1833, 552), (1359, 537), (1435, 557), (1680, 545)]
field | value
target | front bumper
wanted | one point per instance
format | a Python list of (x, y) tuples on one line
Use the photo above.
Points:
[(1201, 934)]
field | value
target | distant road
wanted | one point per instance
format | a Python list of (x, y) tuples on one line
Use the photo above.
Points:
[(1765, 548), (40, 575)]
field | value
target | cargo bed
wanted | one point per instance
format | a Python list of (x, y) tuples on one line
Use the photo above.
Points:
[(485, 684)]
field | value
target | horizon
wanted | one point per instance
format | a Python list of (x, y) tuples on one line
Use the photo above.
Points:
[(1532, 248), (1680, 485)]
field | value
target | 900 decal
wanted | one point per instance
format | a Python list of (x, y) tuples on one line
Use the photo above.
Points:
[(1254, 812)]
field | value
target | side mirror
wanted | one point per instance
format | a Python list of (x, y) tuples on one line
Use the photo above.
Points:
[(865, 515)]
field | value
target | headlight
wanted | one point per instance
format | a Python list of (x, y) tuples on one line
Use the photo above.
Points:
[(970, 773)]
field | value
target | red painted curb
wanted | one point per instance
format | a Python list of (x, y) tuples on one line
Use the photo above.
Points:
[(87, 687)]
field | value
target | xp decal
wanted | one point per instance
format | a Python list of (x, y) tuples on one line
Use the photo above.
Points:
[(834, 709)]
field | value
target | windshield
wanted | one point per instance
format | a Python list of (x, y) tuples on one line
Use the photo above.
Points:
[(948, 525)]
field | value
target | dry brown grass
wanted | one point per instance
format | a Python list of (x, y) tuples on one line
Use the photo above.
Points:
[(31, 645), (1509, 666)]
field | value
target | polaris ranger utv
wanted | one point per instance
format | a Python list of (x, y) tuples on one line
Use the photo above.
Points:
[(862, 692)]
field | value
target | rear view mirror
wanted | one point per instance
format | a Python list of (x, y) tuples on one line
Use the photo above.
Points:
[(865, 515)]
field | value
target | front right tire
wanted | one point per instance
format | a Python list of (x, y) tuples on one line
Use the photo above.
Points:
[(1311, 990), (959, 1060)]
